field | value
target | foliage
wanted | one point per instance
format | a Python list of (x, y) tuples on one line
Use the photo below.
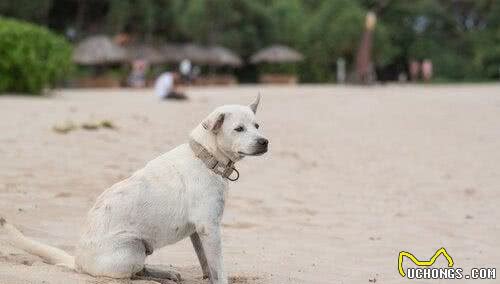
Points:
[(36, 11), (32, 57), (486, 51), (241, 25)]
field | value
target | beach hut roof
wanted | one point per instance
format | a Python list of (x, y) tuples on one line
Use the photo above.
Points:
[(195, 53), (98, 50), (276, 54), (144, 51), (212, 55), (219, 55), (172, 53)]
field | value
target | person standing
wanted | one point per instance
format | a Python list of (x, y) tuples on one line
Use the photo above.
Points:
[(185, 68), (137, 77), (427, 70), (414, 70)]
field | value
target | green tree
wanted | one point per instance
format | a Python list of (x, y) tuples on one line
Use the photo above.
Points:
[(428, 29), (334, 31), (287, 22), (243, 25), (486, 39), (28, 10), (33, 58)]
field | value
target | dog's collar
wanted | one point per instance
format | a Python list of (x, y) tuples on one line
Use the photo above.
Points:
[(225, 170)]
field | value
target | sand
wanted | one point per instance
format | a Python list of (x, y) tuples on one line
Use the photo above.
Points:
[(354, 175)]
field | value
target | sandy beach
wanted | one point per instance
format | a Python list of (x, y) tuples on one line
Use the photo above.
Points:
[(354, 175)]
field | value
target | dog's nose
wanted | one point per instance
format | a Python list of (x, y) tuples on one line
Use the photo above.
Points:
[(263, 141)]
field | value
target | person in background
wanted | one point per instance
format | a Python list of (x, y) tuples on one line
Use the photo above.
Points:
[(414, 70), (427, 70), (137, 77), (185, 69), (166, 86)]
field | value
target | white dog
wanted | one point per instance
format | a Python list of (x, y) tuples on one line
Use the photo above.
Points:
[(177, 195)]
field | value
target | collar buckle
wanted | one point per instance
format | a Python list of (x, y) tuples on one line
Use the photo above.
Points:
[(237, 175)]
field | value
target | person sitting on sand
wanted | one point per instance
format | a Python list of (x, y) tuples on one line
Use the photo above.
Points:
[(166, 86)]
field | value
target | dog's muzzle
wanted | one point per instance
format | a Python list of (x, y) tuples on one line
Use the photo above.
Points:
[(260, 147)]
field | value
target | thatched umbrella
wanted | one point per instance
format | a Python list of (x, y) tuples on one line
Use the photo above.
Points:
[(212, 55), (145, 51), (221, 56), (195, 53), (276, 54), (98, 50), (172, 53)]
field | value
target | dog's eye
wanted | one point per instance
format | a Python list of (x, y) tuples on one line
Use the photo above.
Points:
[(239, 129), (257, 125)]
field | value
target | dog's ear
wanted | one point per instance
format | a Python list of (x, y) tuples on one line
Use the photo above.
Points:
[(253, 106), (213, 122)]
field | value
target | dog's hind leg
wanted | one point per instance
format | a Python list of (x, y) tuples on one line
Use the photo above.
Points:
[(195, 239), (115, 259)]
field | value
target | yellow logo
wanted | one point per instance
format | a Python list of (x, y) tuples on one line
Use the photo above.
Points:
[(423, 263)]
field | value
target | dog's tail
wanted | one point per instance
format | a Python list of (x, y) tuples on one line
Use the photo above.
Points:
[(50, 254)]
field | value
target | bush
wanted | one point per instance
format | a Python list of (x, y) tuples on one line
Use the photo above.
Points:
[(31, 57)]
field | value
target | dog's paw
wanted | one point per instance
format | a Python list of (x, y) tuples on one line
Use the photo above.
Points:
[(161, 272)]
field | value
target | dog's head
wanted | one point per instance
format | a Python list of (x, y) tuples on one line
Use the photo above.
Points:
[(236, 130)]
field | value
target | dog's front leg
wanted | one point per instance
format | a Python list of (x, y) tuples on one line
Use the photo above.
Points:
[(198, 247), (211, 242)]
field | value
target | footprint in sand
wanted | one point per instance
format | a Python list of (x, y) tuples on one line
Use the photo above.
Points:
[(239, 225), (242, 279), (294, 201), (302, 211), (63, 195), (19, 258)]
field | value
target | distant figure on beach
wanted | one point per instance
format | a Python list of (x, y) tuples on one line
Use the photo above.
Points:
[(421, 70), (185, 68), (137, 77), (166, 86), (414, 70), (427, 70)]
